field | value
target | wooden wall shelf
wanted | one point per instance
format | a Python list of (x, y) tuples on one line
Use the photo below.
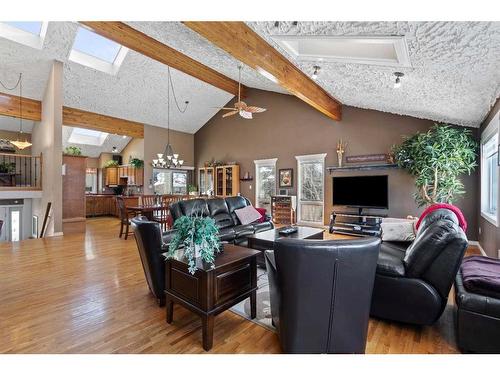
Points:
[(366, 167)]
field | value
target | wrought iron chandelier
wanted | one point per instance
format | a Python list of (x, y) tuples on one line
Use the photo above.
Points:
[(170, 159), (19, 143)]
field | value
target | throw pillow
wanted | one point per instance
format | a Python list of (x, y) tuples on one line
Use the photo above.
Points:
[(262, 211), (247, 215), (398, 229)]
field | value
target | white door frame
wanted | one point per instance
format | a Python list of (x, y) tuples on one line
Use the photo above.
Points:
[(314, 157), (262, 163)]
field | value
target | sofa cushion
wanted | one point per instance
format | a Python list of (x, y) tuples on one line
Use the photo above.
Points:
[(194, 207), (390, 260), (243, 230), (247, 215), (219, 212), (262, 227), (474, 302), (262, 212), (227, 234)]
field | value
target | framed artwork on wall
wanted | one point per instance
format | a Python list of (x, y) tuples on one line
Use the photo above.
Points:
[(286, 178)]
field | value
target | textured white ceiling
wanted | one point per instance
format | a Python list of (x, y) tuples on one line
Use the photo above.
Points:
[(12, 124), (455, 73), (111, 141)]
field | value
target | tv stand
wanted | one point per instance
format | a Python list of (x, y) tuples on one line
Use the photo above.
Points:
[(355, 224)]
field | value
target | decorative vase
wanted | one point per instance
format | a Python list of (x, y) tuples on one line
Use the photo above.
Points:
[(197, 250), (340, 156)]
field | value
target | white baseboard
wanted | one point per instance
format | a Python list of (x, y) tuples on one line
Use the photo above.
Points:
[(476, 243)]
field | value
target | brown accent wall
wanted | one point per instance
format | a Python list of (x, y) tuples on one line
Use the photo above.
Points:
[(489, 236), (155, 141), (290, 127)]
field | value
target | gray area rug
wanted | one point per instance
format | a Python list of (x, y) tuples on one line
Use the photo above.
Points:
[(263, 303)]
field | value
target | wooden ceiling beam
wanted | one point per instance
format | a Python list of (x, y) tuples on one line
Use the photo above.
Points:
[(135, 40), (107, 124), (240, 41), (9, 106)]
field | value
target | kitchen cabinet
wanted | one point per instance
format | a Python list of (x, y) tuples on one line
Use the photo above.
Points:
[(105, 205), (111, 176)]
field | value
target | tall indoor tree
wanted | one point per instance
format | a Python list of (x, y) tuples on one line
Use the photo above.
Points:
[(437, 159)]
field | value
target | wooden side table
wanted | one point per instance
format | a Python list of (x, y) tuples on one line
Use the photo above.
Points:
[(211, 291)]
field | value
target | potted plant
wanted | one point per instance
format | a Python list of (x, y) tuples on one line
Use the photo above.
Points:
[(192, 189), (199, 237), (6, 167), (136, 163), (72, 151), (7, 174), (111, 163), (436, 159)]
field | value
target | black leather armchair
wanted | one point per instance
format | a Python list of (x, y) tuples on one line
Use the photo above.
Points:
[(148, 236), (320, 293), (478, 320), (412, 282)]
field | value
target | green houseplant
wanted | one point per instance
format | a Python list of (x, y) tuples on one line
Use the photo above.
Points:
[(111, 163), (192, 189), (199, 237), (137, 163), (73, 151), (6, 167), (436, 159)]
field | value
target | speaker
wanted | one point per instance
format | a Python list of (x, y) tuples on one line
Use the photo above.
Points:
[(118, 158)]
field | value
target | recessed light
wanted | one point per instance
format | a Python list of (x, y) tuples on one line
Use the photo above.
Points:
[(316, 72), (397, 81)]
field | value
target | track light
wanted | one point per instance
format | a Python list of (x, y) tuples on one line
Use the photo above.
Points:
[(114, 150), (316, 72), (397, 82)]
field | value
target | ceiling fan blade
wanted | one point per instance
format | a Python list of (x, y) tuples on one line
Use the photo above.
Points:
[(226, 108), (229, 114), (246, 114), (254, 109)]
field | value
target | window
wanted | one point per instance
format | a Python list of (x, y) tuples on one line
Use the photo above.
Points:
[(490, 171), (31, 34), (87, 137), (311, 185), (97, 52), (170, 182), (265, 182)]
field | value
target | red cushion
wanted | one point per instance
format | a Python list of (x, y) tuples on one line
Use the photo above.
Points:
[(262, 212), (460, 216)]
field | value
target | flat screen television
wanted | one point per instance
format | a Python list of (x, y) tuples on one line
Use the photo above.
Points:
[(361, 191)]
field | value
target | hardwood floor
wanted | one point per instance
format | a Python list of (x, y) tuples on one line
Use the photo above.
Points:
[(86, 293)]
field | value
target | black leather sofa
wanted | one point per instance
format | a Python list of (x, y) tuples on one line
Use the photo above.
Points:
[(148, 236), (413, 280), (320, 293), (222, 211), (478, 320)]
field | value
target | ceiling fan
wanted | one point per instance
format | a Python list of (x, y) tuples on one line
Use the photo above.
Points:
[(240, 107)]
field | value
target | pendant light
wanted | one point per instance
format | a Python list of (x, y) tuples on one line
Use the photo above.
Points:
[(169, 158), (21, 145)]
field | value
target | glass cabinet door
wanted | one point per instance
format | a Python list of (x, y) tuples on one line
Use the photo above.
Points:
[(228, 174)]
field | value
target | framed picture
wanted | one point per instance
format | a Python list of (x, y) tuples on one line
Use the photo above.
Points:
[(286, 178)]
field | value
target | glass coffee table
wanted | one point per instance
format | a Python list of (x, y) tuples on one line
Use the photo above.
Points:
[(265, 240)]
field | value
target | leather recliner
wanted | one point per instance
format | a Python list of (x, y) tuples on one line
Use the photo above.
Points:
[(148, 236), (412, 282), (222, 211), (320, 293), (478, 320)]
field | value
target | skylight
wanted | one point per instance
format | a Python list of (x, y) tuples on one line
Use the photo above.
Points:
[(97, 52), (30, 34), (30, 27), (87, 137), (371, 50)]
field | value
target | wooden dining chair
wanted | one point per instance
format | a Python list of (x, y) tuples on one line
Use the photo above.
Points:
[(125, 216), (148, 200), (162, 215)]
